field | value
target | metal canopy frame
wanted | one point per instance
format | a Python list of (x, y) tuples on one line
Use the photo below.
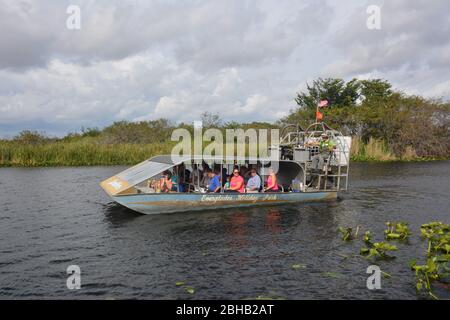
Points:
[(299, 139)]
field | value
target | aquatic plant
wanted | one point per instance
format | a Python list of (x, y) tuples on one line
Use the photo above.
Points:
[(438, 255), (436, 225), (396, 230), (190, 289), (343, 256), (378, 249), (298, 266), (367, 237), (347, 233), (435, 268), (438, 236), (430, 271), (332, 275)]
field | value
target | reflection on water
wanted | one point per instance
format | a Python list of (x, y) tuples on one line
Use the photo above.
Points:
[(237, 229), (273, 218), (232, 253)]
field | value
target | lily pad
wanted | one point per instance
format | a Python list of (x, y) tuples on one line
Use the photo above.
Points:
[(179, 283)]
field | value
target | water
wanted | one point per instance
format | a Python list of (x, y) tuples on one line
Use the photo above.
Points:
[(51, 218)]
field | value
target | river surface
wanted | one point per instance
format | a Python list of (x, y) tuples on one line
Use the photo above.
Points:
[(51, 218)]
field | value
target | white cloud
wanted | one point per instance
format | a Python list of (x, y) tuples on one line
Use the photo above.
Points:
[(243, 59)]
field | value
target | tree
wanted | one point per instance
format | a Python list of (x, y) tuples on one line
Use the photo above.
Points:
[(31, 137), (90, 132), (155, 131), (375, 89), (336, 91), (210, 120), (409, 125)]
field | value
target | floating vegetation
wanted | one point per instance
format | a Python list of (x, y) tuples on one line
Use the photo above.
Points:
[(378, 249), (438, 249), (396, 230), (435, 268), (367, 237), (190, 289), (298, 266), (425, 273), (438, 235), (343, 256), (333, 275), (347, 233), (436, 226)]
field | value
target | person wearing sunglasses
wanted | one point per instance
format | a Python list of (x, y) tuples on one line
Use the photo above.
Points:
[(166, 182), (236, 182)]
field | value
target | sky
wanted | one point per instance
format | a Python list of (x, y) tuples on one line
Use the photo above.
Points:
[(245, 60)]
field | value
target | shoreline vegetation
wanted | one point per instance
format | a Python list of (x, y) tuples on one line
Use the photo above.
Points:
[(81, 153), (386, 125)]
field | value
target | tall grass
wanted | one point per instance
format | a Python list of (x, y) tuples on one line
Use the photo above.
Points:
[(373, 150), (89, 153), (76, 153)]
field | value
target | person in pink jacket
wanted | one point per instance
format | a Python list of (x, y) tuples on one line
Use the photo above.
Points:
[(271, 182), (236, 183)]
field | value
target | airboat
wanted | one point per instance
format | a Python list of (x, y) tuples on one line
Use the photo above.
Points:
[(293, 157)]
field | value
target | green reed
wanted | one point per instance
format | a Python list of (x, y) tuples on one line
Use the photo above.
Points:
[(90, 152), (77, 153)]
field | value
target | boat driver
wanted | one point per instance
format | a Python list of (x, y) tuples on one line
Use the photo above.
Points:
[(326, 147)]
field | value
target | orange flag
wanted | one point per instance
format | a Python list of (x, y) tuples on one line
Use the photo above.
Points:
[(319, 115)]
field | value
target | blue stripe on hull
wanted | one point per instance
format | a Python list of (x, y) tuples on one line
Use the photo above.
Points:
[(173, 202)]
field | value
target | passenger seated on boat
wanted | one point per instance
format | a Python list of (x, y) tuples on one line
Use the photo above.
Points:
[(206, 168), (214, 184), (174, 182), (244, 172), (271, 182), (183, 177), (165, 183), (184, 180), (147, 187), (237, 184), (206, 178), (187, 174), (227, 182), (254, 182)]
